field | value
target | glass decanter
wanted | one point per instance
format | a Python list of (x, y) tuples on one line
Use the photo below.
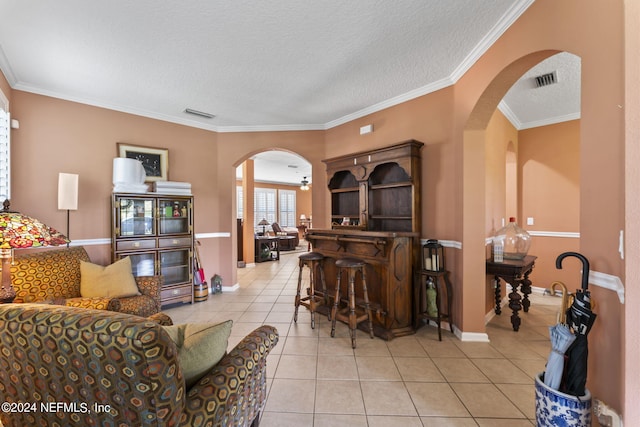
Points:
[(515, 241)]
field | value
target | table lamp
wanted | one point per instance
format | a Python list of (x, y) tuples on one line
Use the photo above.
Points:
[(263, 223), (18, 231)]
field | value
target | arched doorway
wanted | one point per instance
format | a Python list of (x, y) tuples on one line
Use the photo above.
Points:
[(476, 225), (279, 183)]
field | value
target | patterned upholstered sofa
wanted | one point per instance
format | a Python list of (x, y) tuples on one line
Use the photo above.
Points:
[(99, 368), (54, 276)]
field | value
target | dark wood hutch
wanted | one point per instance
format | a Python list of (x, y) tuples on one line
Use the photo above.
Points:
[(375, 216)]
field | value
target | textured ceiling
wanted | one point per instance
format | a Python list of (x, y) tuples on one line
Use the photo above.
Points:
[(297, 64), (282, 65)]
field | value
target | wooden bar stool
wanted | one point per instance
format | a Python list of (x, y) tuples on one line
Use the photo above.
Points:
[(351, 266), (313, 261)]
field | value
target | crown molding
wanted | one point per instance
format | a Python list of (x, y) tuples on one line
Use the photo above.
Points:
[(496, 32)]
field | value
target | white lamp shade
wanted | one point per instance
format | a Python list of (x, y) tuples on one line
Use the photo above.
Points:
[(68, 191), (128, 171)]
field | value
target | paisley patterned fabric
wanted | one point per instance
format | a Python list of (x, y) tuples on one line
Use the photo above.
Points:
[(47, 274), (54, 276), (146, 304), (161, 319), (86, 358), (235, 390)]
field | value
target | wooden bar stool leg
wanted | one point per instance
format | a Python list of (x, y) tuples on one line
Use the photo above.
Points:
[(353, 321), (297, 300), (334, 309), (367, 307), (324, 289), (312, 293)]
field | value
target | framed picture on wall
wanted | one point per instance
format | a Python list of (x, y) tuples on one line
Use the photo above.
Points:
[(154, 160)]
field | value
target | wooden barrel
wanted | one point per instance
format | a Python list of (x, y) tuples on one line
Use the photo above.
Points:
[(200, 292)]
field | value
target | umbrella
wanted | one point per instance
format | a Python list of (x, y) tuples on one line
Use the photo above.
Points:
[(580, 319), (561, 339)]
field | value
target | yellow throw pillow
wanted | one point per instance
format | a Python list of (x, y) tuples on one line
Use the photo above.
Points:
[(200, 347), (113, 281)]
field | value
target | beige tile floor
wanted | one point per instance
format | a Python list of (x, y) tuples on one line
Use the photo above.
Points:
[(316, 380)]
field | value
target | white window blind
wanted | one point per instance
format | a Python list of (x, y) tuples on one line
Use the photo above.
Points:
[(287, 217), (5, 153), (264, 205), (239, 201)]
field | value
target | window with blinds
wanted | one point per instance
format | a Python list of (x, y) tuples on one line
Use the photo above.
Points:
[(287, 208), (240, 201), (264, 205), (5, 154)]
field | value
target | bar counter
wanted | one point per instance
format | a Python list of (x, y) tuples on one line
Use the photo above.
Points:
[(389, 274)]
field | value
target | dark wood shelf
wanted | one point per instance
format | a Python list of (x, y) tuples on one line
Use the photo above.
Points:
[(391, 185), (345, 190), (380, 187)]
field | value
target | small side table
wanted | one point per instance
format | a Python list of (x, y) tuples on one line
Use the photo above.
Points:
[(264, 244), (442, 284), (515, 272)]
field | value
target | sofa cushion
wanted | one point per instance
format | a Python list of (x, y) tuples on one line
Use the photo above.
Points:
[(114, 281), (200, 347)]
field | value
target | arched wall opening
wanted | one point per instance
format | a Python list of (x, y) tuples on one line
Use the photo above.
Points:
[(250, 181), (475, 228), (511, 181)]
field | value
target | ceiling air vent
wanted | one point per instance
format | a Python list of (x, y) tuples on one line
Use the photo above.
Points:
[(546, 79), (199, 113)]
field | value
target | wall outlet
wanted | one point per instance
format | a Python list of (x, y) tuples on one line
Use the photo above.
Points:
[(607, 417), (530, 220)]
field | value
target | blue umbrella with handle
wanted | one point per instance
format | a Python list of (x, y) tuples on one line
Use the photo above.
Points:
[(561, 339)]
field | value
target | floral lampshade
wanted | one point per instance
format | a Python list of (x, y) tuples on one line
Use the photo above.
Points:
[(18, 231)]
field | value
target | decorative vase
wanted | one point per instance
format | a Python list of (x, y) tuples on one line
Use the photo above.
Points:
[(556, 409), (513, 240), (432, 295)]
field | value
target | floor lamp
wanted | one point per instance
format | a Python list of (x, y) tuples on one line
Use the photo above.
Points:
[(68, 194)]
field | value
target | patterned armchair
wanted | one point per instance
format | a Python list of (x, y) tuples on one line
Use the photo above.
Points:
[(54, 276), (93, 367)]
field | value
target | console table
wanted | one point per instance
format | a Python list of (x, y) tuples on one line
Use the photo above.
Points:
[(516, 273)]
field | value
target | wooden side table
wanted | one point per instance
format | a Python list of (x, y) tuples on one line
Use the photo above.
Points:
[(442, 284), (264, 244), (516, 273)]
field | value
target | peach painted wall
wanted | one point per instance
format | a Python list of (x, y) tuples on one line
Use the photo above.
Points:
[(500, 136), (632, 211), (568, 26), (549, 164), (4, 87), (59, 136)]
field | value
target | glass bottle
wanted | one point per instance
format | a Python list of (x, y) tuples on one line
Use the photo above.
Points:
[(515, 241)]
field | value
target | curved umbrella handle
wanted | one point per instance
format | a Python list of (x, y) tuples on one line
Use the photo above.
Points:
[(585, 266)]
